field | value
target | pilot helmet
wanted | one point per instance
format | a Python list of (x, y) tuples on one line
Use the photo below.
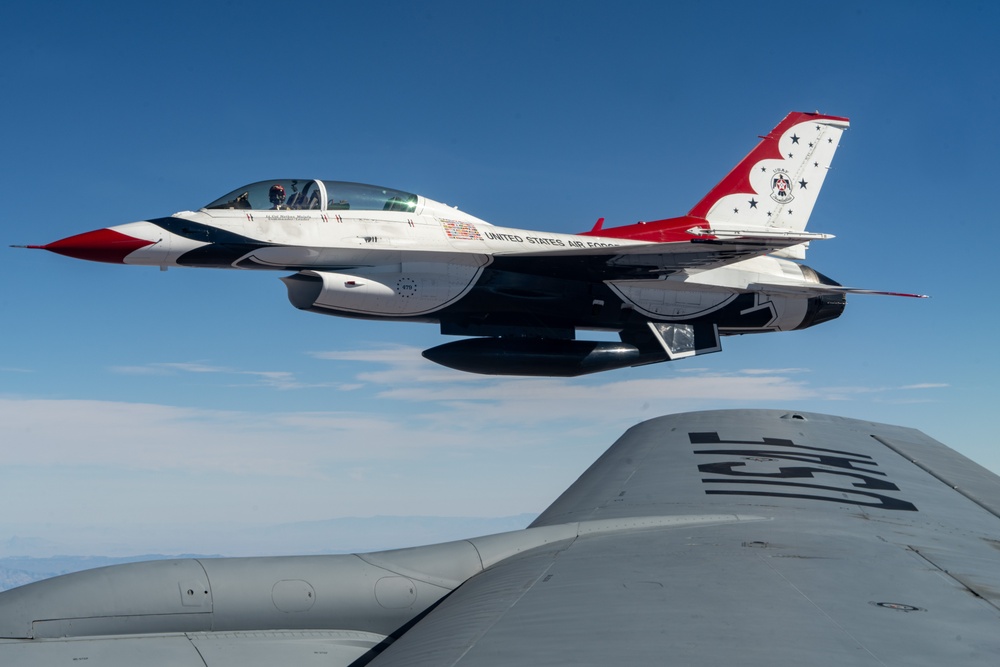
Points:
[(276, 194)]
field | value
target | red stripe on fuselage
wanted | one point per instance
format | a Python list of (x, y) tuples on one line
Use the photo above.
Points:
[(657, 231)]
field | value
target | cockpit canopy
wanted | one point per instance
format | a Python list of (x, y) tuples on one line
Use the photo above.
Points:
[(315, 195)]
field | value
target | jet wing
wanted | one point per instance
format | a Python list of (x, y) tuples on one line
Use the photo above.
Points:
[(651, 259), (849, 543), (615, 260), (821, 289), (749, 537)]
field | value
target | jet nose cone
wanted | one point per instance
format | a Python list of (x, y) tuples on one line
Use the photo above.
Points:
[(101, 245)]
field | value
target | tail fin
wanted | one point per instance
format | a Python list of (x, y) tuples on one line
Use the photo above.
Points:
[(777, 184)]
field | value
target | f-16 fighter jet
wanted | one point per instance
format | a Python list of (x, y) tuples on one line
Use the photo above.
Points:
[(670, 288)]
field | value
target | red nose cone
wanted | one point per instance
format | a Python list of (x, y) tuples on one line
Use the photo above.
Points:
[(102, 245)]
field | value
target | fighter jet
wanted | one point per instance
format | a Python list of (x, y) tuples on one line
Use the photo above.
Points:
[(745, 537), (669, 288)]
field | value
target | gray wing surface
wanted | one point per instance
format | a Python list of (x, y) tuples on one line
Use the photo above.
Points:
[(848, 543), (744, 537)]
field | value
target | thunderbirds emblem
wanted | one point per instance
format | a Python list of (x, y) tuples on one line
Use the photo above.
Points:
[(781, 187)]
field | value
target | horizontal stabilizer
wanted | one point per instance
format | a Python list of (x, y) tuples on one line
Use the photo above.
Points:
[(757, 234)]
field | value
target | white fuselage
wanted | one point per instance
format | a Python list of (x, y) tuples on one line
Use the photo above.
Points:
[(414, 263)]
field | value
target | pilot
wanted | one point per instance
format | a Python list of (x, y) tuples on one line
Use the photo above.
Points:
[(277, 196)]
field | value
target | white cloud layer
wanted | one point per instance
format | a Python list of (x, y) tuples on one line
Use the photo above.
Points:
[(400, 436)]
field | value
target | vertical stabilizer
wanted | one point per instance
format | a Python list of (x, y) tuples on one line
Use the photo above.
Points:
[(777, 184)]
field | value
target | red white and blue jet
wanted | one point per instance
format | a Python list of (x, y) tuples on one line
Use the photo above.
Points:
[(670, 288)]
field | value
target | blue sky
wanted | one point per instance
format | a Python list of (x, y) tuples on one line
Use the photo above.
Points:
[(142, 410)]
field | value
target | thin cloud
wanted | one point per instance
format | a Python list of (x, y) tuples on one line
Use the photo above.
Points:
[(774, 371), (149, 369), (159, 437), (717, 387), (881, 393), (280, 380), (383, 354), (168, 368), (402, 365), (193, 367)]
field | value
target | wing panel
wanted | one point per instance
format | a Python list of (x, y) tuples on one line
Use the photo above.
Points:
[(662, 258), (866, 559), (460, 624), (175, 651), (308, 648), (748, 595), (304, 648), (948, 466), (726, 461)]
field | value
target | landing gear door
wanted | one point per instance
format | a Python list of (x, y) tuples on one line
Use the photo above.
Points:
[(686, 340)]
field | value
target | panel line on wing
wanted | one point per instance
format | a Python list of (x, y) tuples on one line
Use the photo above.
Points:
[(991, 505), (983, 595)]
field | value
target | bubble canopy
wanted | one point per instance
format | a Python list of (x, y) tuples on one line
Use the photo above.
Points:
[(314, 195)]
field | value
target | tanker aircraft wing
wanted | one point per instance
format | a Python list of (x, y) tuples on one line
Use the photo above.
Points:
[(750, 537)]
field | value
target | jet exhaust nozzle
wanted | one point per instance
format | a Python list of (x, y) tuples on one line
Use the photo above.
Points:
[(822, 308)]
